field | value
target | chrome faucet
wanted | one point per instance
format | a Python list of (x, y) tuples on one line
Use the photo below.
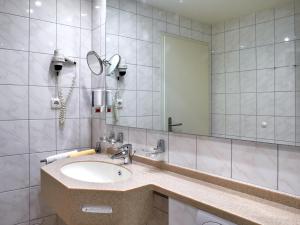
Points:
[(125, 152)]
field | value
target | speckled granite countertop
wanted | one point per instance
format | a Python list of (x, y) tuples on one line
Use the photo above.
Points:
[(238, 207)]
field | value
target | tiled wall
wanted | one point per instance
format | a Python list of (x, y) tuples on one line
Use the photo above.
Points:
[(133, 30), (255, 72), (29, 131), (266, 165)]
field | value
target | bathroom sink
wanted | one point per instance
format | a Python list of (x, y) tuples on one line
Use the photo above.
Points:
[(96, 172)]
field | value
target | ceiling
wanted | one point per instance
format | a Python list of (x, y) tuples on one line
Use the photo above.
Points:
[(213, 11)]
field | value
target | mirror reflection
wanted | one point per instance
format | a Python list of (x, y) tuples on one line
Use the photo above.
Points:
[(229, 73), (94, 62), (112, 64)]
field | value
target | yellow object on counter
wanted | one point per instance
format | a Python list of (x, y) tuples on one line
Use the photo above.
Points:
[(82, 153)]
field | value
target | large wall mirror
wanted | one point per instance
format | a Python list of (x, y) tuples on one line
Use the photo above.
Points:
[(194, 67)]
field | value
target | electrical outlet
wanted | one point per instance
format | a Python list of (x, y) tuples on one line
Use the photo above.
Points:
[(55, 103)]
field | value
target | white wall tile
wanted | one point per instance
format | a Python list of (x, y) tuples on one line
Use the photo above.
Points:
[(232, 39), (86, 14), (218, 83), (265, 57), (248, 59), (265, 104), (85, 75), (233, 104), (144, 78), (247, 20), (159, 14), (13, 102), (85, 132), (158, 28), (17, 7), (185, 22), (138, 138), (247, 37), (265, 33), (39, 101), (40, 72), (264, 15), (129, 5), (285, 54), (248, 81), (255, 163), (232, 24), (285, 130), (35, 166), (144, 9), (173, 29), (218, 63), (284, 29), (14, 137), (218, 43), (85, 103), (233, 82), (85, 42), (144, 28), (128, 26), (10, 73), (268, 131), (248, 127), (288, 178), (43, 10), (283, 10), (68, 12), (232, 61), (265, 80), (218, 28), (218, 103), (14, 32), (182, 150), (144, 103), (285, 103), (173, 18), (232, 125), (64, 35), (214, 156), (218, 123), (19, 178), (127, 49), (285, 79), (144, 53), (145, 122), (42, 140), (129, 103), (38, 207), (42, 36), (68, 136), (248, 103), (14, 208)]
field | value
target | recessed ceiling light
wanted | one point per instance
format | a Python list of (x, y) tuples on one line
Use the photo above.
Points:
[(97, 7), (83, 14), (38, 3), (287, 39)]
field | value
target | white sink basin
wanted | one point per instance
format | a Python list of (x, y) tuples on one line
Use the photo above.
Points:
[(96, 172)]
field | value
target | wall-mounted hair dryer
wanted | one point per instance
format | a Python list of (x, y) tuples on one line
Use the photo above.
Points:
[(58, 61)]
